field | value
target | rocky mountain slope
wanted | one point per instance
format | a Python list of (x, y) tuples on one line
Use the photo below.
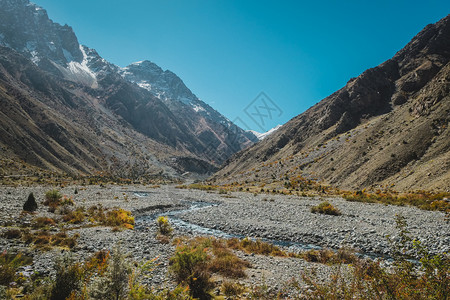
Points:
[(387, 127), (66, 108)]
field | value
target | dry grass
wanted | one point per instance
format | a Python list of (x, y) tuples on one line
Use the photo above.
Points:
[(43, 222), (326, 208), (256, 247), (327, 256), (421, 199)]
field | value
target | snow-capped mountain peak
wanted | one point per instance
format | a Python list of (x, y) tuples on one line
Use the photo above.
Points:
[(263, 135)]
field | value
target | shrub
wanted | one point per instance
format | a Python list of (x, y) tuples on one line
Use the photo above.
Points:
[(12, 233), (164, 226), (326, 208), (119, 217), (321, 256), (30, 205), (225, 262), (98, 262), (44, 240), (75, 217), (68, 278), (189, 265), (326, 256), (42, 222), (52, 198), (196, 259), (256, 247), (9, 263), (232, 289), (113, 285), (430, 279), (421, 199), (67, 201)]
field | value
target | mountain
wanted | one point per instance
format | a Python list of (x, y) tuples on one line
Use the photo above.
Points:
[(169, 88), (263, 135), (387, 127), (68, 109)]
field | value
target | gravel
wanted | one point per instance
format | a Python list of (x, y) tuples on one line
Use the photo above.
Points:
[(276, 217)]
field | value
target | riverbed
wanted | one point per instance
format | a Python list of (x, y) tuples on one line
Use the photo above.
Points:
[(284, 220)]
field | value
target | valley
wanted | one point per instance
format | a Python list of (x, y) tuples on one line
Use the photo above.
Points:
[(120, 183), (283, 220)]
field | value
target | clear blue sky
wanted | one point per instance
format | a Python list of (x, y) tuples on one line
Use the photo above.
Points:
[(228, 51)]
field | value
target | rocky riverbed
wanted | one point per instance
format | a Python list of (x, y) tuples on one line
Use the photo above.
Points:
[(273, 217)]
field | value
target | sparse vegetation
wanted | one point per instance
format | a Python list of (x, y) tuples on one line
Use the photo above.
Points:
[(12, 233), (194, 260), (366, 279), (232, 289), (102, 276), (44, 240), (53, 199), (198, 186), (165, 230), (327, 256), (326, 208), (164, 226), (9, 263), (421, 199), (43, 222), (256, 247)]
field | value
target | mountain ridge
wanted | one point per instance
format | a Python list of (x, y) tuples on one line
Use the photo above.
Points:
[(83, 74), (411, 89)]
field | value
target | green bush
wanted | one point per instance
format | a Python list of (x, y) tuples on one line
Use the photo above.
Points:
[(189, 265), (9, 263), (326, 208), (53, 199), (68, 278), (114, 283), (52, 196)]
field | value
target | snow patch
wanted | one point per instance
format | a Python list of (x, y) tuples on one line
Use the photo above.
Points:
[(34, 57), (197, 108), (263, 135), (145, 85), (80, 71)]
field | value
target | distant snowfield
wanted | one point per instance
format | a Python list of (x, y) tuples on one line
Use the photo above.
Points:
[(263, 135)]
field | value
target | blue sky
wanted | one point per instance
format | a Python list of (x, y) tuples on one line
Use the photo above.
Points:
[(229, 51)]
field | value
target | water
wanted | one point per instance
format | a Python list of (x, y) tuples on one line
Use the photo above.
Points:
[(195, 229), (184, 226)]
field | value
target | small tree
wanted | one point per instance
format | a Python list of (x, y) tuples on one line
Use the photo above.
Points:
[(68, 278), (113, 286), (31, 204)]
